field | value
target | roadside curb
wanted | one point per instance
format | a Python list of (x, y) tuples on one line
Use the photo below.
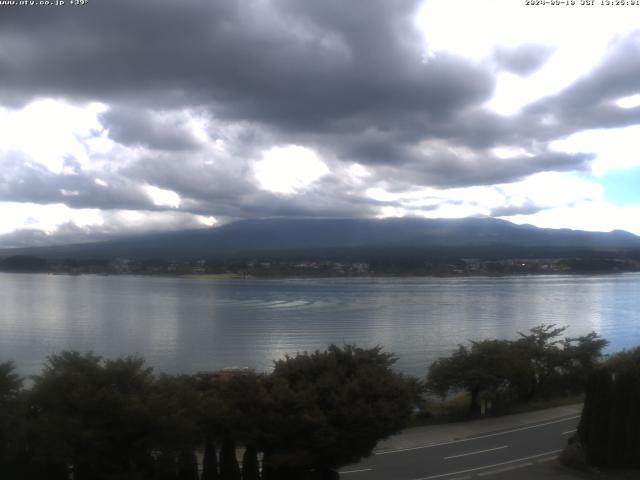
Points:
[(417, 437)]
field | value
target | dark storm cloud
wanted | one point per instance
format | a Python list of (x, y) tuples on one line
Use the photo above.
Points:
[(22, 181), (259, 204), (294, 65), (139, 127), (349, 81), (448, 170), (522, 60)]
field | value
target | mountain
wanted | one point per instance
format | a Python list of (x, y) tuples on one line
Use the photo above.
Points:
[(334, 238)]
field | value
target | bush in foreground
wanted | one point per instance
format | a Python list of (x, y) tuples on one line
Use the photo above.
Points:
[(609, 430), (96, 419)]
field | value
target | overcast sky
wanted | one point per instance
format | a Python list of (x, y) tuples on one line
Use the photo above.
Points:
[(125, 116)]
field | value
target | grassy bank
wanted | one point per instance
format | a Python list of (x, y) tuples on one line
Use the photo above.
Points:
[(218, 276)]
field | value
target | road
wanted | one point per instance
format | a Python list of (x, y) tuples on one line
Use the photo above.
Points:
[(490, 454)]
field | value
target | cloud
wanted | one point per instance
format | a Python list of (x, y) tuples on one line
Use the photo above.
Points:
[(590, 102), (161, 130), (524, 59), (23, 181), (447, 166), (66, 228), (512, 210), (172, 109)]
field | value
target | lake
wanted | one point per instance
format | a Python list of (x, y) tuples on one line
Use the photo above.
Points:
[(182, 325)]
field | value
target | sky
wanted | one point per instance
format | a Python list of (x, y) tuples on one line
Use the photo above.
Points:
[(121, 117)]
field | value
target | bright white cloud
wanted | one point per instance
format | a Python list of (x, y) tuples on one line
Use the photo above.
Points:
[(548, 190), (162, 197), (511, 152), (51, 218), (50, 131), (567, 201), (593, 216), (631, 101), (615, 149), (391, 212), (358, 173), (47, 218), (288, 169), (551, 189), (579, 35)]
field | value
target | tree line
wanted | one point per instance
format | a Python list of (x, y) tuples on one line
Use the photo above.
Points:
[(84, 417), (609, 429), (499, 373)]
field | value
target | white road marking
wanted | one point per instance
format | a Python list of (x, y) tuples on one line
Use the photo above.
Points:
[(476, 452), (545, 460), (505, 469), (386, 452), (489, 466), (568, 432), (355, 471)]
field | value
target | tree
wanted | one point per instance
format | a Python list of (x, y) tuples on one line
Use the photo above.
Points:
[(92, 415), (12, 427), (533, 365), (175, 405), (229, 469), (583, 354), (328, 409), (187, 465), (545, 358), (233, 405), (210, 459), (609, 428), (489, 367), (250, 465)]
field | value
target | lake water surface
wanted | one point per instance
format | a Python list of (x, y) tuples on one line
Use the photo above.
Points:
[(182, 325)]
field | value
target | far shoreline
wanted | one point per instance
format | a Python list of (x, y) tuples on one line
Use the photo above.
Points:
[(239, 276)]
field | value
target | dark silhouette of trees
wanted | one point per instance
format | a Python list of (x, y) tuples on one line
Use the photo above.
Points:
[(96, 415), (537, 364), (231, 416), (328, 409), (250, 464), (102, 419), (229, 468), (540, 347), (12, 430), (485, 368), (609, 429), (210, 460), (582, 356)]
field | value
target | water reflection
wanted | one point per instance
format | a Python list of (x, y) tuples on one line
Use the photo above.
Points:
[(189, 325)]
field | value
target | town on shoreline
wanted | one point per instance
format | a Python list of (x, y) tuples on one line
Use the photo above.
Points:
[(278, 268)]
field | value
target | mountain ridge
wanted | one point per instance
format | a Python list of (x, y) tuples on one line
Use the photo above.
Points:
[(307, 238)]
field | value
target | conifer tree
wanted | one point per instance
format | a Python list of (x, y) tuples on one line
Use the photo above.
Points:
[(210, 460), (250, 466), (229, 469)]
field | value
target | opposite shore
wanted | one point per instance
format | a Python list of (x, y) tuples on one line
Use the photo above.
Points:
[(270, 268)]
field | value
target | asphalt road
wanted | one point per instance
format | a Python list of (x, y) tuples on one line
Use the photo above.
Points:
[(485, 455)]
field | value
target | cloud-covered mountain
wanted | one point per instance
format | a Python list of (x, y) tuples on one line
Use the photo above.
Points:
[(335, 238), (153, 114)]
